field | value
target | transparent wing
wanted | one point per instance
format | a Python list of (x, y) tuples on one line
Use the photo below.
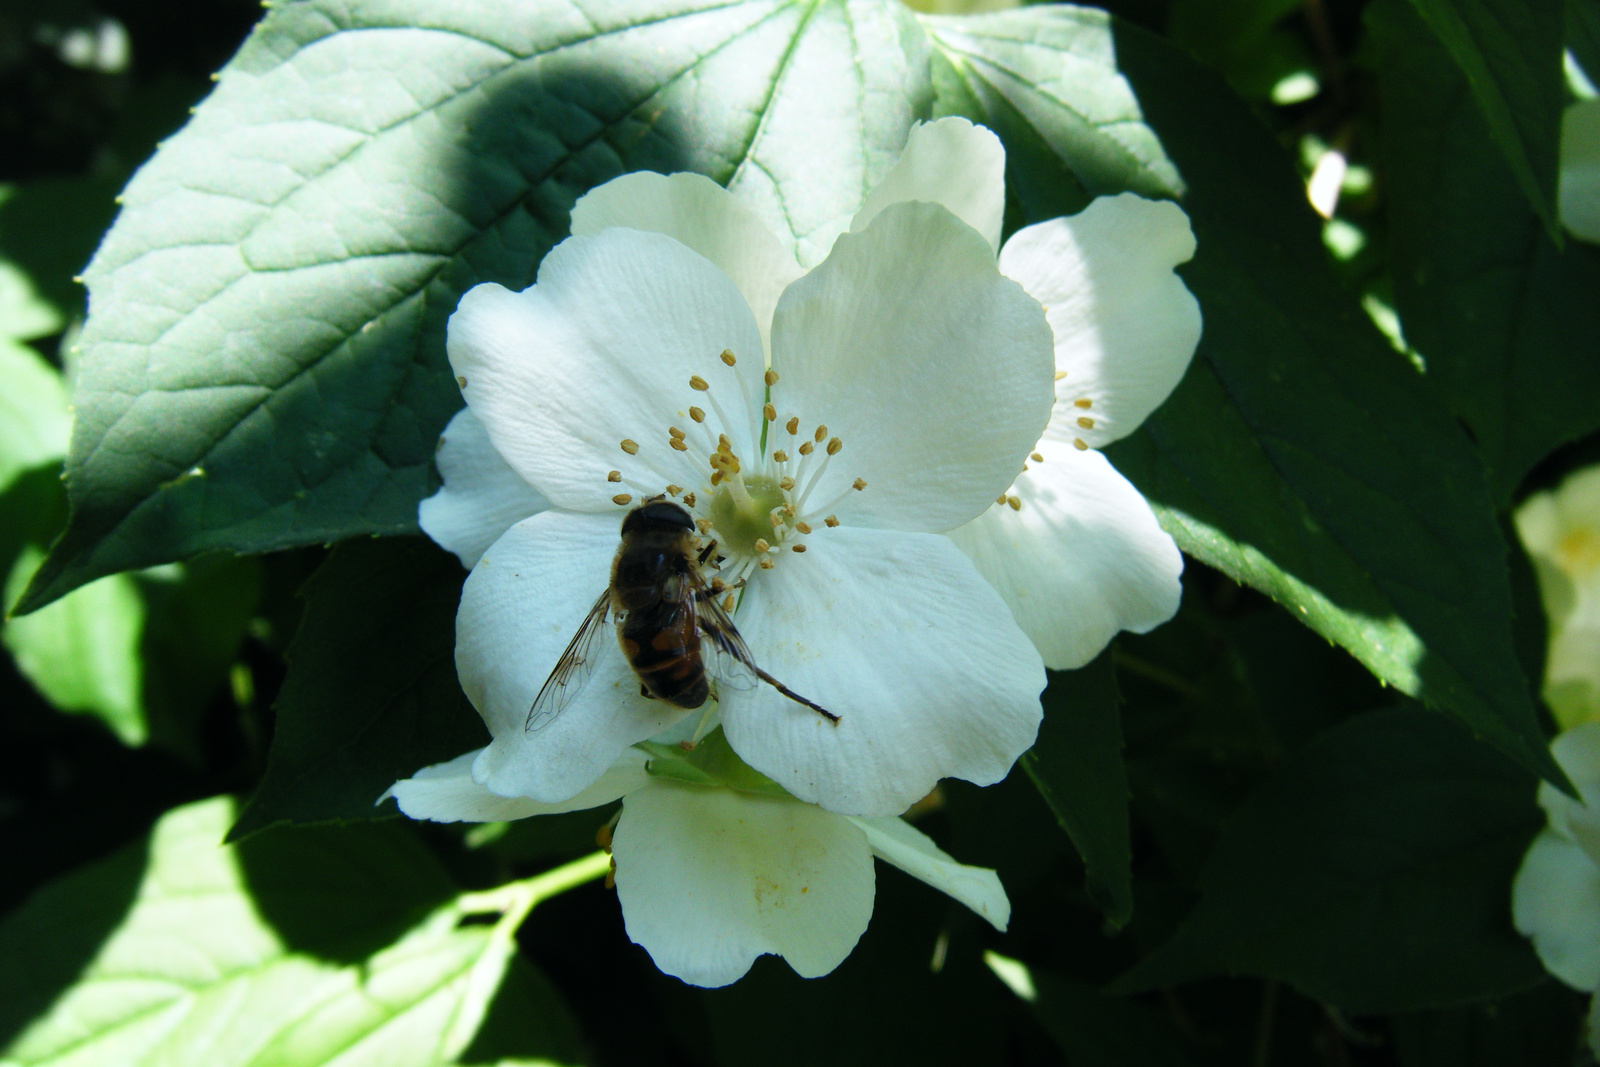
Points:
[(725, 655), (572, 669)]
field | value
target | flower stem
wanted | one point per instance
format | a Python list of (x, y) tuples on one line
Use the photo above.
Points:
[(515, 900)]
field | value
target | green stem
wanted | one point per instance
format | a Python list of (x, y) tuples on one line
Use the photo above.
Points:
[(515, 900)]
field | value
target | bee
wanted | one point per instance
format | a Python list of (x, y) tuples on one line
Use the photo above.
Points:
[(669, 622)]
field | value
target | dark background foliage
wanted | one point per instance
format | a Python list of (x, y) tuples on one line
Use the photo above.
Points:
[(1232, 843)]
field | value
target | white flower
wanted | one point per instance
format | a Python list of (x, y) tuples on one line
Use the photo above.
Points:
[(1561, 531), (710, 876), (1578, 190), (925, 366), (1555, 899), (907, 381)]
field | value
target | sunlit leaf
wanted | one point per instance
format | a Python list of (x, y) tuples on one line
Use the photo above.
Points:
[(302, 947)]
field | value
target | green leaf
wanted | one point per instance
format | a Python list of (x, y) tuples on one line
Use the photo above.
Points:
[(33, 411), (1505, 320), (263, 362), (1045, 80), (371, 695), (1372, 872), (1510, 53), (82, 652), (1301, 454), (1076, 765), (303, 947)]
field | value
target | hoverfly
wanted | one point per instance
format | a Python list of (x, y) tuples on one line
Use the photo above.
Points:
[(668, 622)]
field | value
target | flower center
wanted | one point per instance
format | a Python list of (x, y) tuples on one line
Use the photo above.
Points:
[(754, 505)]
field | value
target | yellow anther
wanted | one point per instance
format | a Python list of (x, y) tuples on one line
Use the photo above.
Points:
[(786, 484), (716, 477), (1037, 457), (674, 490), (697, 415), (718, 585), (771, 377), (677, 444), (834, 445), (1060, 374), (630, 446), (1086, 422), (728, 602), (697, 382), (822, 432), (793, 425), (621, 498), (780, 456), (703, 525), (673, 431), (761, 544), (1084, 402), (803, 527), (859, 484), (613, 476), (1080, 444), (831, 520), (797, 548), (806, 448), (1015, 502), (766, 563), (1001, 499), (769, 412), (461, 381), (727, 357), (724, 445), (775, 516), (688, 499)]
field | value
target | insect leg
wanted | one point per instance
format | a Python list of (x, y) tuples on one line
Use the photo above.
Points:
[(796, 697)]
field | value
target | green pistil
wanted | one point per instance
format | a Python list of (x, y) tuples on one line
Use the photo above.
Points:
[(738, 524)]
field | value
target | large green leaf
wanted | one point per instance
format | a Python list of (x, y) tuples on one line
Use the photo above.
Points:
[(263, 362), (1510, 53), (302, 947), (1506, 321), (1372, 872), (1300, 454), (371, 695), (1077, 767)]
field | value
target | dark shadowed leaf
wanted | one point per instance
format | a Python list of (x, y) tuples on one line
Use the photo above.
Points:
[(1506, 321), (1373, 872), (371, 695), (1077, 767)]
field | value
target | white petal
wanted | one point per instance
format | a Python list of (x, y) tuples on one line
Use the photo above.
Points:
[(898, 842), (1082, 559), (1578, 192), (952, 162), (1578, 752), (709, 879), (599, 351), (695, 210), (933, 370), (481, 498), (898, 635), (1125, 325), (447, 792), (520, 607), (1555, 900)]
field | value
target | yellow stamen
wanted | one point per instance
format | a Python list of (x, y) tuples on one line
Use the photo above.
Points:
[(831, 520), (613, 476), (806, 448), (697, 415), (697, 382), (793, 425), (769, 412), (834, 446), (771, 377), (630, 446), (1086, 422), (1085, 403), (727, 357), (1037, 458), (1080, 444), (621, 498), (859, 484), (797, 548)]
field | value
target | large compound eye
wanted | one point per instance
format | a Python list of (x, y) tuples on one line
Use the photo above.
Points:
[(657, 513)]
